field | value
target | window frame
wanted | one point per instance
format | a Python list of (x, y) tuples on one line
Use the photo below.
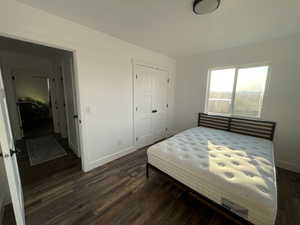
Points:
[(237, 68)]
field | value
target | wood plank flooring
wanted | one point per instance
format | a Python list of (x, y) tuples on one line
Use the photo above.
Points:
[(32, 174), (118, 193)]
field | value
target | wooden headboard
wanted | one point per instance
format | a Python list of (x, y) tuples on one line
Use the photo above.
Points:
[(256, 128)]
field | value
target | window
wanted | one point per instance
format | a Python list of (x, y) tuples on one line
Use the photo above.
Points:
[(237, 91)]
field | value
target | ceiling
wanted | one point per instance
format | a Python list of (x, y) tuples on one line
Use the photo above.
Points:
[(170, 27)]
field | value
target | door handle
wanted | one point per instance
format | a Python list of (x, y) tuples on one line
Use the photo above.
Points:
[(154, 111), (75, 116)]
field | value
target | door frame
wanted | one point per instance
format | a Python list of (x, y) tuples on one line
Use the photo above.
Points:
[(9, 159), (81, 149), (135, 63)]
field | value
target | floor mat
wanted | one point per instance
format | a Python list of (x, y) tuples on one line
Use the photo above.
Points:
[(44, 149)]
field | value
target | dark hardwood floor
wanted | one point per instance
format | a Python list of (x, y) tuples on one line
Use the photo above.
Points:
[(118, 193), (32, 174), (38, 129)]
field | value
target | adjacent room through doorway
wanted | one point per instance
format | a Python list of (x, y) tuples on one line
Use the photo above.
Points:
[(33, 95), (41, 101)]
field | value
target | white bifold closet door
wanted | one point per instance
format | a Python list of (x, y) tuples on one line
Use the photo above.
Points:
[(159, 104), (150, 97)]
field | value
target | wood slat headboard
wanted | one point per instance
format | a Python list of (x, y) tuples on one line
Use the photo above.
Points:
[(251, 127)]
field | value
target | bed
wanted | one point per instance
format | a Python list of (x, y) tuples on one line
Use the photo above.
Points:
[(228, 162)]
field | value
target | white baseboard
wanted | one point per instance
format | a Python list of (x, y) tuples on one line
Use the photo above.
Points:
[(288, 166), (109, 158)]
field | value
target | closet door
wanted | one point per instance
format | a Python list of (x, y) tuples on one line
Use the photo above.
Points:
[(159, 104), (150, 100), (143, 106)]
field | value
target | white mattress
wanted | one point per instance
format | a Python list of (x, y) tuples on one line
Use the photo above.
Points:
[(236, 171)]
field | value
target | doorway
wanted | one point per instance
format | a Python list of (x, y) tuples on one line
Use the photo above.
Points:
[(42, 106), (39, 122)]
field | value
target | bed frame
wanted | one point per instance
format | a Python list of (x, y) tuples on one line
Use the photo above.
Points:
[(256, 128), (251, 127), (206, 201)]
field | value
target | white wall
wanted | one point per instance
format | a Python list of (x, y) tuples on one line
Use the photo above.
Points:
[(281, 104), (104, 76), (32, 87)]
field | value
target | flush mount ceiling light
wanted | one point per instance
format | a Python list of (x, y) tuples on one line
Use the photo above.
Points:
[(205, 6)]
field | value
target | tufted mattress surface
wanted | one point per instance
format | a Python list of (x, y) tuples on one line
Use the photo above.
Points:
[(236, 171)]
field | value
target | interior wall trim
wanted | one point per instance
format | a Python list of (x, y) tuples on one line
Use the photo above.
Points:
[(69, 45), (288, 166), (109, 158), (150, 65)]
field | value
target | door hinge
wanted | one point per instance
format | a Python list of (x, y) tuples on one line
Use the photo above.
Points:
[(4, 156), (136, 109), (167, 105), (136, 76), (12, 152), (136, 139), (168, 80)]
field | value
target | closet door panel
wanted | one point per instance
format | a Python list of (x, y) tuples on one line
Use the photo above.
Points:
[(159, 104), (143, 109)]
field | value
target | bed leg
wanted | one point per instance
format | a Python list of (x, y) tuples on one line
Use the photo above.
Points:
[(147, 170)]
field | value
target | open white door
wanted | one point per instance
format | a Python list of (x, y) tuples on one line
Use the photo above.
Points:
[(67, 71), (75, 109), (10, 160)]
